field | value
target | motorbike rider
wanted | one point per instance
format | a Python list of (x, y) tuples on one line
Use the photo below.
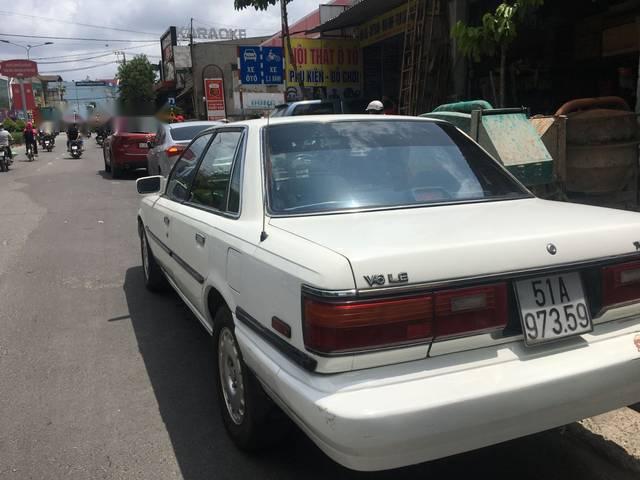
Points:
[(375, 108), (5, 141), (73, 134), (30, 134)]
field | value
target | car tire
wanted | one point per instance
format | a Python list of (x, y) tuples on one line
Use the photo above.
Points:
[(154, 278), (250, 417), (115, 171)]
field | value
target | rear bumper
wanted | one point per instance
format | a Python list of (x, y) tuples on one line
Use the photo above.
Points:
[(130, 160), (404, 414)]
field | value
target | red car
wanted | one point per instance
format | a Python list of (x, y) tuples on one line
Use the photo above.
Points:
[(127, 147)]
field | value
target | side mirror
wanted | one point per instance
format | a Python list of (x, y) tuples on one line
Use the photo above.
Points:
[(149, 184)]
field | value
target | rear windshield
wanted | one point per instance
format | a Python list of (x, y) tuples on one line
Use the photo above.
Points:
[(186, 132), (321, 167), (137, 125)]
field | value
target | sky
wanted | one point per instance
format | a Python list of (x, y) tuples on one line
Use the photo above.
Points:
[(141, 20)]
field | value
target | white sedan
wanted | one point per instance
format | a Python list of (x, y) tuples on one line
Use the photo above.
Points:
[(391, 287)]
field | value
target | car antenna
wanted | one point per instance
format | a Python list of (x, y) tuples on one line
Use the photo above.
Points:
[(263, 234)]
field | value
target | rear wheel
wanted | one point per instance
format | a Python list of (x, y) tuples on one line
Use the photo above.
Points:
[(251, 419), (107, 168), (115, 171)]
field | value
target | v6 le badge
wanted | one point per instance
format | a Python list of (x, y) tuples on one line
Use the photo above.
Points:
[(379, 279)]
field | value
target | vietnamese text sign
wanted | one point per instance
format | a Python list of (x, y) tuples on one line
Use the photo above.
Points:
[(383, 26), (261, 100), (260, 65), (326, 63), (19, 68), (214, 96)]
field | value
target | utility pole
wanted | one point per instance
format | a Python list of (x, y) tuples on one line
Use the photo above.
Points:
[(124, 56), (194, 103)]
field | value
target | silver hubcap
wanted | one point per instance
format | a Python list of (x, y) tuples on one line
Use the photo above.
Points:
[(145, 257), (230, 371)]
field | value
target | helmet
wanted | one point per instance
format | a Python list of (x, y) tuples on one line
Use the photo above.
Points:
[(29, 125), (375, 106)]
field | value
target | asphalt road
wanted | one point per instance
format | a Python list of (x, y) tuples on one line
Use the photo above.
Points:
[(101, 379)]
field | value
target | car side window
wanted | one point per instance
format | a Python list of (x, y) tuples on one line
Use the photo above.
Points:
[(212, 181), (185, 169)]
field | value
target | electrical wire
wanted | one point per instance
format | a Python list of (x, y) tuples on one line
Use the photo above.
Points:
[(91, 52), (77, 59), (17, 14), (44, 37), (78, 69), (209, 23)]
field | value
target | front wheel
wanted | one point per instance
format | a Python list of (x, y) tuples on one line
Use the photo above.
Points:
[(251, 419)]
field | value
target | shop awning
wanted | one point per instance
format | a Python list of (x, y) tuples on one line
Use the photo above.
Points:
[(358, 13)]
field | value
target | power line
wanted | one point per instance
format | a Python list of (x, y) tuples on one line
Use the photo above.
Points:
[(79, 69), (209, 23), (76, 59), (44, 37), (91, 52), (17, 14)]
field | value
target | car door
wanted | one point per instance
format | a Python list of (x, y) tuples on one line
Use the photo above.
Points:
[(201, 232), (161, 215)]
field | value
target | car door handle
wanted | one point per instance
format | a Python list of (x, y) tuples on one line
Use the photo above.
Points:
[(200, 239), (166, 220)]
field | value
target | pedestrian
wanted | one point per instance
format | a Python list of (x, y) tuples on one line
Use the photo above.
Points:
[(375, 108)]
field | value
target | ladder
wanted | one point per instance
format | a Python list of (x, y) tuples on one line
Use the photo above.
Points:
[(415, 57)]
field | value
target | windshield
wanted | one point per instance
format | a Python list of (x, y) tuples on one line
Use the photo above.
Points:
[(319, 167), (187, 132)]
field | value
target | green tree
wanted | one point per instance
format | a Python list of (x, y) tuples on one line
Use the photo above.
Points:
[(497, 32), (284, 19), (136, 78)]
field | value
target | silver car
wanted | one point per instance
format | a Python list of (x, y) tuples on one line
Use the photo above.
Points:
[(171, 139)]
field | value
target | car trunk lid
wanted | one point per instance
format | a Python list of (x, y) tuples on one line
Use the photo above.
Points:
[(467, 240)]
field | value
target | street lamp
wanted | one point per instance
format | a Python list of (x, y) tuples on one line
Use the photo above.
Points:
[(28, 47)]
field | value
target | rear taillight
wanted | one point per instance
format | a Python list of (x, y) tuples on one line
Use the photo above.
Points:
[(334, 327), (470, 310), (341, 327), (621, 283), (174, 150)]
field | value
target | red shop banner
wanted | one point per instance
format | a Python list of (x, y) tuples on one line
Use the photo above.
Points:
[(17, 97), (214, 96)]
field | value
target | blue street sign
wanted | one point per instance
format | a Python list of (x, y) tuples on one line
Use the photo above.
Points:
[(261, 65), (272, 65), (250, 66)]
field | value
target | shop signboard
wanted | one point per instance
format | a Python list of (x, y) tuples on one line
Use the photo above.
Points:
[(261, 100), (261, 65), (214, 97), (167, 42), (326, 64), (383, 26)]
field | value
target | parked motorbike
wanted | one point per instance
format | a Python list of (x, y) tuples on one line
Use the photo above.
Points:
[(75, 147), (5, 159)]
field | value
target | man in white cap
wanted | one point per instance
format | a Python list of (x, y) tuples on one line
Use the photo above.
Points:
[(375, 108)]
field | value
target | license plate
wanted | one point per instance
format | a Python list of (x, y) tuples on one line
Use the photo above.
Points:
[(143, 145), (552, 308), (74, 148)]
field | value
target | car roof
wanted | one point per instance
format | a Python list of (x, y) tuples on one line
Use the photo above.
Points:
[(260, 122), (206, 123)]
